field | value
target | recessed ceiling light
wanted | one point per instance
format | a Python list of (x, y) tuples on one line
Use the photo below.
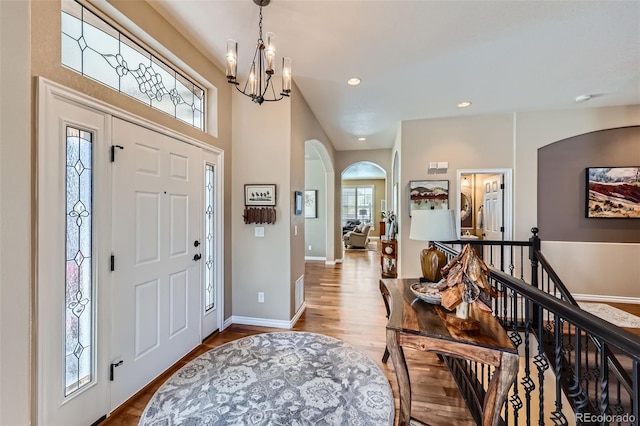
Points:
[(362, 139), (582, 98), (353, 81), (464, 104)]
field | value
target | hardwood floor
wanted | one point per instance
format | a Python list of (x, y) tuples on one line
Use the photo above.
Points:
[(344, 302)]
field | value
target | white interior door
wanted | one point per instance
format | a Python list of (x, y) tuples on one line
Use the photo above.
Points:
[(157, 215), (211, 270), (493, 227), (72, 274)]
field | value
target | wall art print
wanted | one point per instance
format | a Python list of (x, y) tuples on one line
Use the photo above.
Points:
[(428, 195), (613, 192), (260, 195), (311, 203)]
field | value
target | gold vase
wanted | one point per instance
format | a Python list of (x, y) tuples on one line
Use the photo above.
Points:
[(432, 261)]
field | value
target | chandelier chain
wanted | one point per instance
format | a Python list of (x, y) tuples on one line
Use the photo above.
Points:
[(260, 26)]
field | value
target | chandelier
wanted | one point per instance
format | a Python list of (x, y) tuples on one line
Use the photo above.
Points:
[(259, 86)]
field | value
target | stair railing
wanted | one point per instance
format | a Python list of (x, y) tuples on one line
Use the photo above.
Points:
[(573, 364)]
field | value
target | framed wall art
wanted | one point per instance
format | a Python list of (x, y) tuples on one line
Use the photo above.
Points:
[(311, 203), (428, 195), (613, 192), (260, 195)]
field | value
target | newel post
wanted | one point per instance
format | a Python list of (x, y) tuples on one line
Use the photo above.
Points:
[(533, 250), (534, 247)]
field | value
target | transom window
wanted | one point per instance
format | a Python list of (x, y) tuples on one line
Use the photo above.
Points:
[(97, 50)]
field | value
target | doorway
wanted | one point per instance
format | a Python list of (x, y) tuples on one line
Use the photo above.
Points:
[(97, 223), (484, 204)]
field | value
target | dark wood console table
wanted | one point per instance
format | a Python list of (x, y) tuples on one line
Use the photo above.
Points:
[(416, 324)]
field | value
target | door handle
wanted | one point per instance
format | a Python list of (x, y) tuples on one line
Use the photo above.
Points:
[(196, 243), (197, 257)]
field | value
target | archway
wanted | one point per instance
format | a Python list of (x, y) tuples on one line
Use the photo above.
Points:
[(364, 195), (320, 177)]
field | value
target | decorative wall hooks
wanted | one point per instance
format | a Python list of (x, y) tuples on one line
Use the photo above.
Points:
[(259, 215)]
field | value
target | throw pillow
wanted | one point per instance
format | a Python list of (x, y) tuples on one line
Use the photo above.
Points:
[(358, 229)]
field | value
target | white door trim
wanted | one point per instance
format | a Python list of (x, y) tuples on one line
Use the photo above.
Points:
[(47, 90), (508, 197), (50, 88)]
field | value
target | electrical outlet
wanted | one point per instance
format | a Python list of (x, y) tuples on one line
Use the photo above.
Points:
[(260, 297), (309, 247)]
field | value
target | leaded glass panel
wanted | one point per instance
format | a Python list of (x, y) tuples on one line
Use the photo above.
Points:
[(209, 214), (79, 326), (95, 49)]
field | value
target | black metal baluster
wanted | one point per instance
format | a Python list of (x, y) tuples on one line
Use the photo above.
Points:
[(635, 403), (604, 381), (541, 364), (527, 383), (557, 416)]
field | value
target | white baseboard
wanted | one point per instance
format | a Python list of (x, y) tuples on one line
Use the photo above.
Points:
[(605, 299), (315, 258), (330, 262), (227, 323), (266, 322)]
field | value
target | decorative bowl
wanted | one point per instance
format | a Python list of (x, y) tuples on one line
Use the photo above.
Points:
[(427, 292)]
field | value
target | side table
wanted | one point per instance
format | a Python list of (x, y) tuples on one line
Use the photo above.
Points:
[(418, 325)]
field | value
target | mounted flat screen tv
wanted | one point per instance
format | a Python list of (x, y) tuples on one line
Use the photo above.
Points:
[(613, 192)]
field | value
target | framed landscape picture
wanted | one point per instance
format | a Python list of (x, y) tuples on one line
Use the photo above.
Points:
[(260, 195), (428, 195), (613, 192)]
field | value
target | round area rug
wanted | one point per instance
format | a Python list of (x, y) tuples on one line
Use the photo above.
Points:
[(287, 378)]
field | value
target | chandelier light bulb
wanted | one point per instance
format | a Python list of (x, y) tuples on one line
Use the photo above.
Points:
[(270, 53), (232, 59)]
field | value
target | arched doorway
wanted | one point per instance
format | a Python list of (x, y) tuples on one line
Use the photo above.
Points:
[(364, 195), (320, 180)]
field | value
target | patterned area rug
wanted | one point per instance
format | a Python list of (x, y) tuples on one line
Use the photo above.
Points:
[(614, 315), (287, 378)]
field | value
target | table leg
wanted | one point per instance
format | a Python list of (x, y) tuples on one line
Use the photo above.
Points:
[(402, 376), (498, 390)]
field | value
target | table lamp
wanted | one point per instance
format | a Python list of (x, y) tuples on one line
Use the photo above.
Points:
[(432, 225)]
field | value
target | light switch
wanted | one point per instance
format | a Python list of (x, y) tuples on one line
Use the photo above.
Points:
[(295, 230), (259, 231), (443, 164)]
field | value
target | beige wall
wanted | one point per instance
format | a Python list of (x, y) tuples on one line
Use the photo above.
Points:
[(16, 208), (305, 128), (261, 155), (475, 142), (512, 141)]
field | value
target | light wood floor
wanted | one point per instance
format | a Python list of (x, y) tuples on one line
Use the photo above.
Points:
[(344, 302)]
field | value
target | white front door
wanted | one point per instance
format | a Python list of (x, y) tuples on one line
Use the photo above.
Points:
[(72, 379), (157, 218)]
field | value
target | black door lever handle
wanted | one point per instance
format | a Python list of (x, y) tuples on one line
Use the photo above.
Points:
[(197, 257)]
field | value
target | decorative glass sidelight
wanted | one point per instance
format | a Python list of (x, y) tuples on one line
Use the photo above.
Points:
[(97, 50), (209, 216), (79, 300)]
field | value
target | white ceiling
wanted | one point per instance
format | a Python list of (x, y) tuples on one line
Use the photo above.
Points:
[(419, 59)]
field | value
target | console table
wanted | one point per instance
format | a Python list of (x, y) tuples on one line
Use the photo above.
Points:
[(415, 324)]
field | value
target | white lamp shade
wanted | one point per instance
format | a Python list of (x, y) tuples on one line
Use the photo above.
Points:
[(433, 225)]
